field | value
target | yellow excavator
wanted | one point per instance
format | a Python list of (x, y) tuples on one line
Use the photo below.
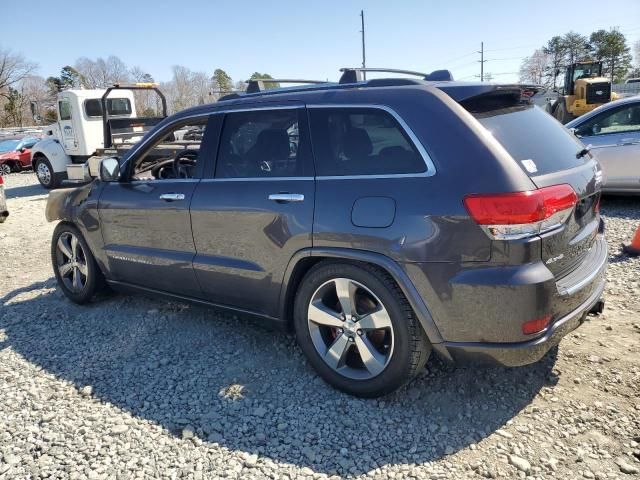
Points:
[(584, 89)]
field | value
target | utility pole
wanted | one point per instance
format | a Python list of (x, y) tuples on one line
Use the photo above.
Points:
[(364, 58), (482, 60)]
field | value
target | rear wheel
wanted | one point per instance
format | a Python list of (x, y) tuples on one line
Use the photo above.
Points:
[(357, 329), (75, 268)]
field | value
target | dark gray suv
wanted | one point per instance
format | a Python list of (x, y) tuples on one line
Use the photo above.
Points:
[(380, 220)]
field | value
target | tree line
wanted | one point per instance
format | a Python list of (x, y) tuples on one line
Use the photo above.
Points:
[(20, 86), (549, 62)]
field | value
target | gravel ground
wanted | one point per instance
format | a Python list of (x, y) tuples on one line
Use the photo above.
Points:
[(130, 387)]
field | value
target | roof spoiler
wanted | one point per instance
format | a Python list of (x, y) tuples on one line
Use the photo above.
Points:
[(355, 74)]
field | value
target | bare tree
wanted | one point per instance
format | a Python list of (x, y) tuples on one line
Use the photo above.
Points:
[(13, 68), (186, 88), (534, 68), (101, 73)]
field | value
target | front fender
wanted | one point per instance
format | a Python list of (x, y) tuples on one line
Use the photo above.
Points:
[(54, 152), (62, 203)]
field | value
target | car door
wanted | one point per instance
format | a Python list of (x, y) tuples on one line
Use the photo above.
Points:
[(615, 139), (65, 120), (253, 212), (145, 221)]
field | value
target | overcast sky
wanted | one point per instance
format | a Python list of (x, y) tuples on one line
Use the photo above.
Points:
[(301, 39)]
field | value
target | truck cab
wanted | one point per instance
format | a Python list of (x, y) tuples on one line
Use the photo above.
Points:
[(89, 121)]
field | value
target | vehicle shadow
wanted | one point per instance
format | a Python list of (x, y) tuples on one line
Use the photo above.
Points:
[(25, 191), (236, 384), (618, 205)]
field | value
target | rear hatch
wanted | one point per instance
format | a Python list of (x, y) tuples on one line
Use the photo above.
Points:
[(550, 155)]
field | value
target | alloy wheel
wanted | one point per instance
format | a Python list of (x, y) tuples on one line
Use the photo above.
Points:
[(5, 169), (44, 173), (71, 262), (350, 329)]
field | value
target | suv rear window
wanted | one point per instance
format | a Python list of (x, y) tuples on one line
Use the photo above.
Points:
[(361, 141), (533, 138), (115, 106)]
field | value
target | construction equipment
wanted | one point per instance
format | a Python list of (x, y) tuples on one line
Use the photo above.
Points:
[(584, 89)]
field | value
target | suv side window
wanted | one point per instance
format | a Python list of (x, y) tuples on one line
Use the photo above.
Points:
[(361, 141), (621, 120), (175, 154), (261, 143), (65, 109)]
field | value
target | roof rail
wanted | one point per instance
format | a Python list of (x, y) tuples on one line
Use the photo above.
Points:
[(354, 74), (255, 85)]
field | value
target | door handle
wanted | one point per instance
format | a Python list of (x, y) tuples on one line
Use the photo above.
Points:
[(171, 197), (286, 197)]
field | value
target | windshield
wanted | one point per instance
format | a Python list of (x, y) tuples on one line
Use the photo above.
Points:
[(533, 138), (8, 145), (586, 71)]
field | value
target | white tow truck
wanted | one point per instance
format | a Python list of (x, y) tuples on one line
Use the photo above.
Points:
[(91, 124)]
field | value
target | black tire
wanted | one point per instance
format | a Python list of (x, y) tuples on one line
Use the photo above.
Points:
[(561, 113), (5, 169), (50, 180), (94, 279), (411, 348)]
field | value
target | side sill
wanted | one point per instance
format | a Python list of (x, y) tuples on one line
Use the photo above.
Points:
[(264, 320)]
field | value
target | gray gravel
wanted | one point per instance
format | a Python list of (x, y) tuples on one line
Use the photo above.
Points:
[(130, 387)]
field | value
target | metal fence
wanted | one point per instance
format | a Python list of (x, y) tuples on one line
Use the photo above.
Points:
[(626, 89)]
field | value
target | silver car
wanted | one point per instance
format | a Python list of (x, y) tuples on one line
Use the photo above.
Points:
[(613, 131)]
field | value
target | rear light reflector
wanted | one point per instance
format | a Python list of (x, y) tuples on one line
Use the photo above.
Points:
[(506, 216), (536, 326)]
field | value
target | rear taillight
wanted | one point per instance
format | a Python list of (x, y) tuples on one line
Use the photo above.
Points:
[(508, 216)]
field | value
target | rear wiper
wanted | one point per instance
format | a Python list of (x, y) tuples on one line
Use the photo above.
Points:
[(584, 151)]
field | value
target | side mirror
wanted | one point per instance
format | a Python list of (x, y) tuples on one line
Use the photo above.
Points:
[(574, 131), (22, 149), (109, 170)]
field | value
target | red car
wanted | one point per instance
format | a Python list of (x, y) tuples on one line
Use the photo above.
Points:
[(15, 154)]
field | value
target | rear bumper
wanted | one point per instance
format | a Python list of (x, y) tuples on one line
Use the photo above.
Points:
[(524, 353)]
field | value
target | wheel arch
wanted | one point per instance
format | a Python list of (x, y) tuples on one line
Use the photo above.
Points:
[(305, 259), (52, 151)]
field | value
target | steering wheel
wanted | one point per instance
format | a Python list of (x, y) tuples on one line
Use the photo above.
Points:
[(182, 162)]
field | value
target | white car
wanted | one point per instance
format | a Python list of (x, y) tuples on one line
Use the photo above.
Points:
[(613, 131)]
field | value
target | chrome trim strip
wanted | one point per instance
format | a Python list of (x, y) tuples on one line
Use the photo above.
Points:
[(431, 168), (254, 179)]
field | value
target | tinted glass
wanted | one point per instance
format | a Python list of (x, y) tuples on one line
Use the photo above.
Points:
[(534, 138), (619, 120), (65, 110), (361, 141), (115, 106), (262, 143)]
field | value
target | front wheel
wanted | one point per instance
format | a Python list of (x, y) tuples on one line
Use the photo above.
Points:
[(357, 329), (5, 169), (74, 266), (45, 173)]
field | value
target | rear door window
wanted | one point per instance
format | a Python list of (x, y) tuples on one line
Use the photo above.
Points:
[(533, 138), (361, 141)]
